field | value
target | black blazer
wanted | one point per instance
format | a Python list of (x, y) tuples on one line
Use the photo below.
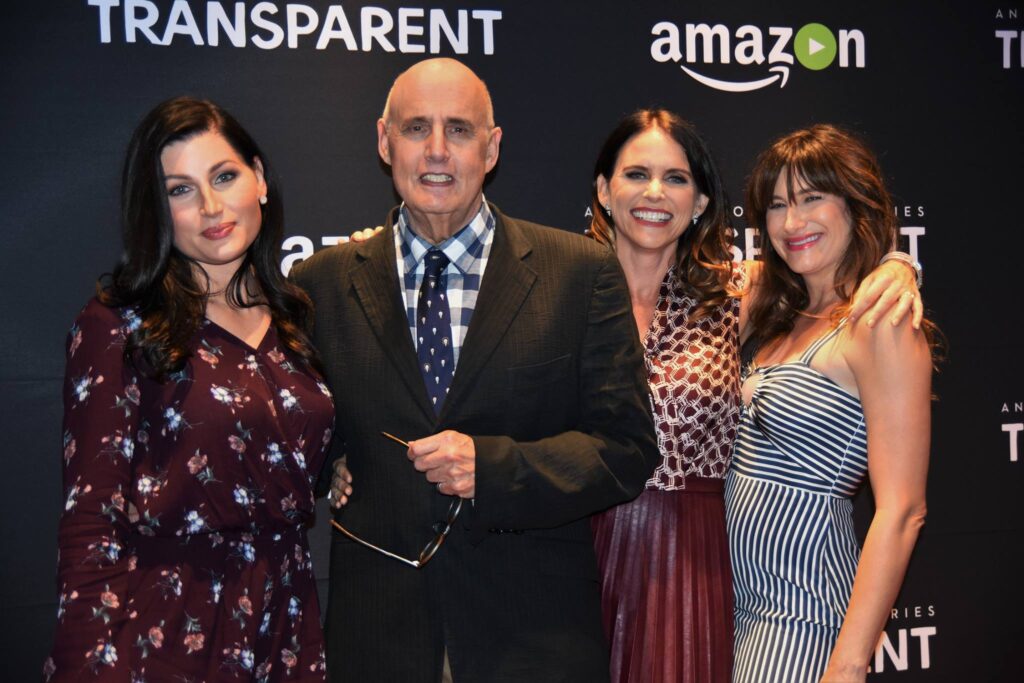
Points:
[(551, 385)]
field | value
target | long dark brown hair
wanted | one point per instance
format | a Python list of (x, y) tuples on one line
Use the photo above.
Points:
[(704, 257), (159, 281), (822, 158)]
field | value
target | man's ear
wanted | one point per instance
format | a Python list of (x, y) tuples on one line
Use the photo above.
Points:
[(383, 146), (493, 147)]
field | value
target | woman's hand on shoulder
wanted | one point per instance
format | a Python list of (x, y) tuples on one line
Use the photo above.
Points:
[(890, 290), (364, 234)]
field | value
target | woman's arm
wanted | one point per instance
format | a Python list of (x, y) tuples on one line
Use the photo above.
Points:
[(100, 439), (889, 290), (892, 368)]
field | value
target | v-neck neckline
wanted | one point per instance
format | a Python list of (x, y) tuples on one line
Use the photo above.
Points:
[(241, 342)]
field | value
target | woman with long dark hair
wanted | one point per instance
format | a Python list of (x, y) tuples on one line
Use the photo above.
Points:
[(195, 421), (828, 403)]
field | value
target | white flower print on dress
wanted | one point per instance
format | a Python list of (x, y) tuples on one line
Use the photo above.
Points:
[(174, 422), (83, 386), (118, 444), (150, 485), (71, 500), (170, 583), (232, 397), (194, 523), (289, 401), (104, 551), (247, 498), (274, 457), (104, 654), (238, 656), (216, 588), (252, 364), (65, 600)]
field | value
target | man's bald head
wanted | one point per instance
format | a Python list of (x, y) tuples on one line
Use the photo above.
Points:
[(437, 71), (438, 135)]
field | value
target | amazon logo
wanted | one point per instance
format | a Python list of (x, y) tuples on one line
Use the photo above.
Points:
[(767, 55)]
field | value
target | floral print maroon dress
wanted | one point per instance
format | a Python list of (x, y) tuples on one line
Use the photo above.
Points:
[(183, 552)]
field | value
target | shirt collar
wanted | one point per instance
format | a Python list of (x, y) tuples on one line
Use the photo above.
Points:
[(462, 248)]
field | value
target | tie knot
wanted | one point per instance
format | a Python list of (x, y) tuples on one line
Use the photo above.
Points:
[(435, 262)]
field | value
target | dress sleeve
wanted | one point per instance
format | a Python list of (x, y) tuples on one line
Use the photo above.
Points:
[(101, 420)]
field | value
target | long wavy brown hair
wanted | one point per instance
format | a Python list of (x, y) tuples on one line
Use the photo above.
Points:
[(823, 158), (168, 290), (704, 257)]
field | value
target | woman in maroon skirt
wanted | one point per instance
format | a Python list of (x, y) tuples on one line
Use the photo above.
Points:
[(667, 594), (194, 425), (666, 582)]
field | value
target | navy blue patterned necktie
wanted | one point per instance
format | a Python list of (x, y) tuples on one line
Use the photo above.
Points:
[(434, 329)]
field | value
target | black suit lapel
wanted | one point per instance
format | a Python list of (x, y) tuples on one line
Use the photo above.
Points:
[(375, 279), (507, 281)]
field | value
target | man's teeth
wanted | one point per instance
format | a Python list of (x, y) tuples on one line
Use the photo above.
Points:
[(436, 177), (657, 216)]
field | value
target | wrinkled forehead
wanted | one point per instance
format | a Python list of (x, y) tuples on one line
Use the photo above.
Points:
[(439, 97)]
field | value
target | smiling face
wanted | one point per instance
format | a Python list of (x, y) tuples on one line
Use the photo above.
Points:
[(651, 194), (438, 138), (811, 230), (214, 200)]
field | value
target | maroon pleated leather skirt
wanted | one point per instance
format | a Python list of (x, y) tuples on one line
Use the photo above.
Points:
[(666, 589)]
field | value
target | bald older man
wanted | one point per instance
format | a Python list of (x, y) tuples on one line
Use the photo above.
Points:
[(505, 356)]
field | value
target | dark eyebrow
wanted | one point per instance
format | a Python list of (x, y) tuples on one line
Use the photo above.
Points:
[(644, 167), (459, 122), (213, 169)]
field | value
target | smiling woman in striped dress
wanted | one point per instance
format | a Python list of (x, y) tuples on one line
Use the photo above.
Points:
[(828, 402)]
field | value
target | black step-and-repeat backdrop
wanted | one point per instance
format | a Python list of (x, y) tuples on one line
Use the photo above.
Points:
[(936, 87)]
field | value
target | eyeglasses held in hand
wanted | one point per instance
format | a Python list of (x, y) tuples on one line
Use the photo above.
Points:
[(431, 548)]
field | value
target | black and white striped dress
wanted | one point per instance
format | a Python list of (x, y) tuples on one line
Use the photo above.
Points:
[(801, 454)]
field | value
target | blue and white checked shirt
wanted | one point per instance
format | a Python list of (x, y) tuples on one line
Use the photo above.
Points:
[(467, 250)]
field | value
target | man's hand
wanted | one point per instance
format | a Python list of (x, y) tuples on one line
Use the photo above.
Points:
[(449, 460), (341, 484), (890, 290)]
